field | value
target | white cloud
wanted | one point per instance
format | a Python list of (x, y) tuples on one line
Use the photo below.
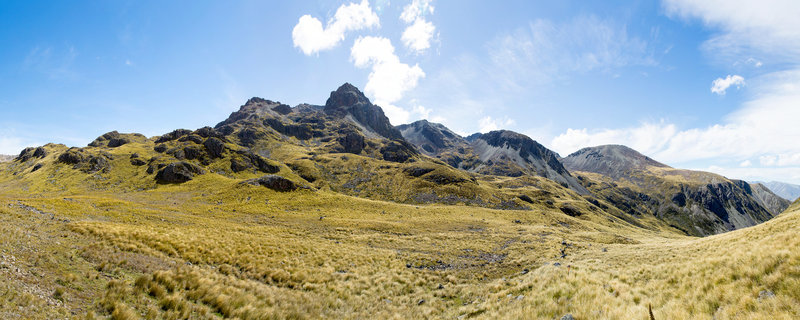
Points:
[(389, 79), (416, 9), (768, 29), (784, 174), (647, 138), (487, 124), (720, 85), (764, 128), (418, 35), (745, 164), (423, 112), (419, 32), (311, 37)]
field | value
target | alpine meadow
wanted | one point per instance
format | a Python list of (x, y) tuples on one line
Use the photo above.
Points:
[(440, 160)]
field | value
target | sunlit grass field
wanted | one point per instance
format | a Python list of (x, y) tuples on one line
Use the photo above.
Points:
[(213, 248)]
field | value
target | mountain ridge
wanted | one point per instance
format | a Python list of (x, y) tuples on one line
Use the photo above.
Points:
[(349, 146), (699, 203), (788, 191)]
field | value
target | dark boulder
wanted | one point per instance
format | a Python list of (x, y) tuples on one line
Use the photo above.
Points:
[(240, 164), (570, 210), (193, 138), (177, 153), (208, 132), (215, 147), (96, 163), (174, 135), (249, 136), (138, 162), (30, 153), (248, 160), (178, 172), (526, 198), (398, 151), (417, 171), (193, 152), (72, 156), (282, 109), (273, 182), (37, 167), (160, 148), (352, 142), (111, 139)]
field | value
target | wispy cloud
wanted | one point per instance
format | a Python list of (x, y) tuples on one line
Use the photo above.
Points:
[(518, 63), (310, 36), (545, 51), (769, 29), (720, 85), (54, 62)]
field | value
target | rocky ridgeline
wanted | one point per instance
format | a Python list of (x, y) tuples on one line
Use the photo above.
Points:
[(698, 203), (444, 167), (502, 153)]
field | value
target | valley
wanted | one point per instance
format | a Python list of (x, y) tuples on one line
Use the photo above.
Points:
[(331, 212)]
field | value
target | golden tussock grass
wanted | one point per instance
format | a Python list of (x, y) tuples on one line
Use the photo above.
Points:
[(211, 248)]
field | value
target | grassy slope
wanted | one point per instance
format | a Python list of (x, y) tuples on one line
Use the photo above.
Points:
[(212, 248)]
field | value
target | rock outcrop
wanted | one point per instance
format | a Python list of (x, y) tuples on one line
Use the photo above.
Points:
[(178, 172), (273, 182), (115, 139)]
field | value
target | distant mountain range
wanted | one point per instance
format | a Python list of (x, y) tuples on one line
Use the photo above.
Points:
[(5, 157), (349, 146), (785, 190)]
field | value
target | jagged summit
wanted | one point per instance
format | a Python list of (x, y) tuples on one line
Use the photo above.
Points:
[(610, 160), (349, 102), (500, 153), (431, 138), (511, 151)]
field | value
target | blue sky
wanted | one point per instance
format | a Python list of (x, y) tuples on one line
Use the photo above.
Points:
[(711, 85)]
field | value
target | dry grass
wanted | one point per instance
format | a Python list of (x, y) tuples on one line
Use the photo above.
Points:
[(212, 248)]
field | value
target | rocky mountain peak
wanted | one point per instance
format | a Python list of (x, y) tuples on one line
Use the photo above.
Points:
[(526, 146), (610, 160), (431, 138), (349, 102)]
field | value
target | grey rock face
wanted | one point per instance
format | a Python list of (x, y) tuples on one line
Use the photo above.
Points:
[(349, 101), (503, 153), (610, 160), (431, 138), (767, 199)]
